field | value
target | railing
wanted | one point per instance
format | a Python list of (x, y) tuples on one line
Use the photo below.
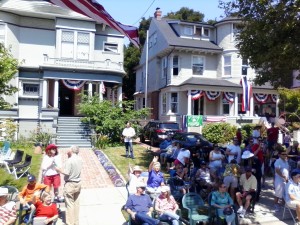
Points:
[(82, 64)]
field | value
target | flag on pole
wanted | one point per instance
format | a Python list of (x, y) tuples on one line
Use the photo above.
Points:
[(102, 88), (247, 91), (92, 9)]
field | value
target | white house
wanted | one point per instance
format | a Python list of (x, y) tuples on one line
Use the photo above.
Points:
[(58, 49), (195, 69)]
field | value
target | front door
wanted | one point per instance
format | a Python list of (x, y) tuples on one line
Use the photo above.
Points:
[(66, 101)]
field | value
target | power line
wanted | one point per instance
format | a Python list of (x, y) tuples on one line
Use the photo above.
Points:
[(144, 12)]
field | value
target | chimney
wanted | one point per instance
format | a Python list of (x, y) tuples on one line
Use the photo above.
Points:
[(157, 14)]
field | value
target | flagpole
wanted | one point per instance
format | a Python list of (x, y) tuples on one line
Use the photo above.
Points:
[(146, 69)]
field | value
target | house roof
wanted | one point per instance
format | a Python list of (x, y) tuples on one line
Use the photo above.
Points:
[(219, 82), (173, 39)]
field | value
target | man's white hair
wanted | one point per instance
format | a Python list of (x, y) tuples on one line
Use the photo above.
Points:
[(74, 149)]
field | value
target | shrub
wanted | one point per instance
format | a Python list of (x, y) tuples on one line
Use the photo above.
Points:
[(219, 132)]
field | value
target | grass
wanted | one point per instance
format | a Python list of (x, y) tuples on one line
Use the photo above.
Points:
[(8, 179)]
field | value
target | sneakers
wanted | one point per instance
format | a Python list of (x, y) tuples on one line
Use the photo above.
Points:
[(240, 210), (242, 215), (276, 208)]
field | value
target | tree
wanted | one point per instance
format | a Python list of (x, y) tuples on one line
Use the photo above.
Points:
[(269, 37), (8, 69), (186, 14), (290, 102), (109, 119)]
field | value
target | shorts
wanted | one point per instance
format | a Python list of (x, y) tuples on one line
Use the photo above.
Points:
[(252, 194), (279, 188), (293, 204), (176, 162), (52, 180), (231, 181)]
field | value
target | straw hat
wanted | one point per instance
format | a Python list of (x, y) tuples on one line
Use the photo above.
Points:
[(136, 168)]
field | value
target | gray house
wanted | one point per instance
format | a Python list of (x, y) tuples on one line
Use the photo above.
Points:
[(62, 54), (195, 69)]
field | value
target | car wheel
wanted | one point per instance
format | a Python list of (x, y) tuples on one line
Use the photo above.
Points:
[(142, 139), (152, 142)]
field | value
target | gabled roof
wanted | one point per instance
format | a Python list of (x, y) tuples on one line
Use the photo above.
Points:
[(219, 82), (173, 39)]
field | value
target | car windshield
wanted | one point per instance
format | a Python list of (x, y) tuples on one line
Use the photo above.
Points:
[(171, 126), (192, 138)]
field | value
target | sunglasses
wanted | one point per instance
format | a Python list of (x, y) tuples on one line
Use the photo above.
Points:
[(223, 187), (284, 154)]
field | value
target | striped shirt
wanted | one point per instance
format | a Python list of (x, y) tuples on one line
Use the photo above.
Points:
[(8, 211)]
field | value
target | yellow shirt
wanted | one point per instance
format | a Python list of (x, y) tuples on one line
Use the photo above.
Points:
[(250, 183)]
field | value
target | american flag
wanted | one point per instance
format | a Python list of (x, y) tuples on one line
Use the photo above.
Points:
[(247, 91), (214, 118), (92, 9), (102, 88)]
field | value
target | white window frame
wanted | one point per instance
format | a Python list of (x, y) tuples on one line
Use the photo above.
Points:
[(175, 66), (245, 65), (164, 103), (227, 65), (203, 32), (227, 104), (86, 55), (235, 31), (188, 30), (34, 94), (173, 102), (164, 67), (111, 47), (196, 65), (197, 31)]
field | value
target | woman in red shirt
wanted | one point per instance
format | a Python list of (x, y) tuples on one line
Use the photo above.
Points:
[(45, 208)]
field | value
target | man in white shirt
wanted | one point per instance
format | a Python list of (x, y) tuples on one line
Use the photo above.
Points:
[(233, 151), (292, 191), (128, 134)]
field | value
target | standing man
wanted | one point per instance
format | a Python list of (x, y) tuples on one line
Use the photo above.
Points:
[(128, 134), (233, 151), (72, 172), (272, 136)]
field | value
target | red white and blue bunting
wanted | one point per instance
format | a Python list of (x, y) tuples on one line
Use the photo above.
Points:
[(196, 94), (212, 95), (261, 98), (74, 84), (273, 98), (229, 96)]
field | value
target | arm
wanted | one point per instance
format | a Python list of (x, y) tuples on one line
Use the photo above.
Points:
[(277, 170), (155, 159)]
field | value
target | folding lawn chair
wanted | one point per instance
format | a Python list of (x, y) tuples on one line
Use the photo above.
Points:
[(22, 169), (17, 159)]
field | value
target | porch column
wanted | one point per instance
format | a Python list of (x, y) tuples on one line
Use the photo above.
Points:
[(90, 89), (56, 89), (100, 90), (277, 108), (189, 103), (251, 111), (236, 104), (120, 96), (113, 95), (45, 94)]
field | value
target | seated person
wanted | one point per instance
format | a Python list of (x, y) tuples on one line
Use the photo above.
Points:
[(166, 206), (248, 184), (140, 207), (45, 208), (155, 178), (134, 178), (175, 151), (202, 177), (165, 144), (31, 189), (183, 156), (231, 175), (165, 155), (181, 173), (8, 209), (292, 190), (220, 200)]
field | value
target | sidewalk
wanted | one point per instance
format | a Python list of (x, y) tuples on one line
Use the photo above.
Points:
[(101, 201)]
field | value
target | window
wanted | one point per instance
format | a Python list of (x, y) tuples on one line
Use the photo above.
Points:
[(188, 30), (205, 32), (235, 30), (164, 103), (164, 67), (198, 31), (226, 107), (174, 102), (227, 65), (111, 47), (244, 66), (198, 65), (175, 70), (83, 46), (31, 89), (2, 33), (75, 45)]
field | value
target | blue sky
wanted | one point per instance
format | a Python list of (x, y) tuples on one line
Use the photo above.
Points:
[(129, 12)]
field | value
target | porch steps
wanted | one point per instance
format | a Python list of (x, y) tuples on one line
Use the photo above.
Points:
[(71, 131)]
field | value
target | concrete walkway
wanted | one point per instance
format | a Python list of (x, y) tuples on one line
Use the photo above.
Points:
[(101, 202)]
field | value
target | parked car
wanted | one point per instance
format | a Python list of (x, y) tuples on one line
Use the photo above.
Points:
[(192, 140), (157, 131)]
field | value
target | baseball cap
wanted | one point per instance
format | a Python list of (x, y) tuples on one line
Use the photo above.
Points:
[(295, 172), (31, 178)]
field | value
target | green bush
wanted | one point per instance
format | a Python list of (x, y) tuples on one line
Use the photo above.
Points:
[(219, 132), (247, 130)]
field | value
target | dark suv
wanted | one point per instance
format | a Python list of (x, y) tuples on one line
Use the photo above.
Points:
[(157, 131)]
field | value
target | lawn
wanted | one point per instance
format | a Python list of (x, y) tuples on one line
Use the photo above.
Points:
[(117, 157)]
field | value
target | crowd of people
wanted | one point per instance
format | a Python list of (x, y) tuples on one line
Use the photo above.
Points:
[(38, 197), (234, 175)]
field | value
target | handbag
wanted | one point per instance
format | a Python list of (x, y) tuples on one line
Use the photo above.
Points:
[(227, 211)]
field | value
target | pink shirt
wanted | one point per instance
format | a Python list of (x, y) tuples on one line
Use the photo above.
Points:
[(165, 205)]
